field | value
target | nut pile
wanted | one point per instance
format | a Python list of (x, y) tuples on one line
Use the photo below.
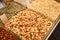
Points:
[(6, 35), (29, 25), (49, 8)]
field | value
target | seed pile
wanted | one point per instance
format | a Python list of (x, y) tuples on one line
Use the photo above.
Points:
[(6, 35), (49, 8), (29, 25)]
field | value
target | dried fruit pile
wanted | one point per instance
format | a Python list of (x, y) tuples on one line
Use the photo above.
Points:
[(29, 25)]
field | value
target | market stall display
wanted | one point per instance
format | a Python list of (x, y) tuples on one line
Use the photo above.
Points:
[(29, 20)]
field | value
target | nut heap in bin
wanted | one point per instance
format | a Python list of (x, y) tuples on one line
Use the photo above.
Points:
[(49, 8), (6, 35), (31, 23)]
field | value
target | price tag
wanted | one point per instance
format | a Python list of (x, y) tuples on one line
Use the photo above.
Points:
[(28, 3), (4, 18)]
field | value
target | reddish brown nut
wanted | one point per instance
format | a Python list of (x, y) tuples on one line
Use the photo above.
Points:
[(6, 35)]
